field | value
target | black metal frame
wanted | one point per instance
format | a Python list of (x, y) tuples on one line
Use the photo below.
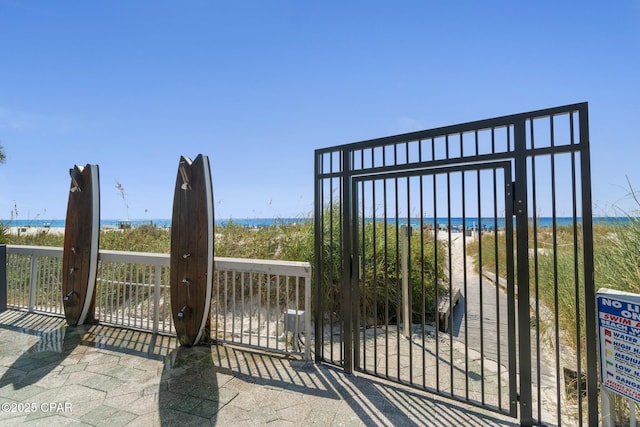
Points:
[(519, 144), (3, 278)]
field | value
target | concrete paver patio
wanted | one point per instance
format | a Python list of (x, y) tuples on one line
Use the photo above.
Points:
[(51, 374)]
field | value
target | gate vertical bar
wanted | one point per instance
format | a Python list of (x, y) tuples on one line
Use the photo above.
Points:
[(406, 307), (589, 287), (522, 275)]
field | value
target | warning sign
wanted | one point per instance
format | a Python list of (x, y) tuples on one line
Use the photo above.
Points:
[(619, 336)]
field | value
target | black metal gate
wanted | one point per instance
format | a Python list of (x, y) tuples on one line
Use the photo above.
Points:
[(448, 259)]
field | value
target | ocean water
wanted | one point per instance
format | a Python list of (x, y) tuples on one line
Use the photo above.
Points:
[(165, 223), (454, 222), (487, 223)]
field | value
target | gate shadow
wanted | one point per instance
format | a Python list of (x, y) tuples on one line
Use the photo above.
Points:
[(221, 385)]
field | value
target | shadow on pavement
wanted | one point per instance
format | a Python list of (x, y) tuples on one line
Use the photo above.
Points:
[(216, 384), (54, 341)]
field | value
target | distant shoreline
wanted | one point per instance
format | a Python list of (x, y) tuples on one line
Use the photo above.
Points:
[(24, 225), (110, 224)]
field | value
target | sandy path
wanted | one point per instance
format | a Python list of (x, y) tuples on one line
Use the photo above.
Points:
[(484, 325), (480, 322)]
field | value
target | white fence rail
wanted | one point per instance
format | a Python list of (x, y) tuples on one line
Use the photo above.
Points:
[(258, 303)]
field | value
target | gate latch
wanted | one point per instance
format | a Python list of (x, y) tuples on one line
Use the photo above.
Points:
[(511, 192)]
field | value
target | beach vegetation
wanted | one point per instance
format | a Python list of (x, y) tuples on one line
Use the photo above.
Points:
[(143, 238), (41, 238), (380, 271), (380, 264), (381, 282), (4, 234), (556, 268)]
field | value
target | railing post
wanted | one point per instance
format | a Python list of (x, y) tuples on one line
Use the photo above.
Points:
[(3, 278), (608, 408), (156, 298), (307, 317), (33, 281)]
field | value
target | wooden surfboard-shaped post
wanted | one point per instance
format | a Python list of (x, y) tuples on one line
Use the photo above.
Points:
[(81, 241), (192, 249)]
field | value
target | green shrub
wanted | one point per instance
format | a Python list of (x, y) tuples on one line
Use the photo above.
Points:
[(381, 284), (42, 238), (143, 238)]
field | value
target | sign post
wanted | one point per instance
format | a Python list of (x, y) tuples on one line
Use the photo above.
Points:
[(619, 339)]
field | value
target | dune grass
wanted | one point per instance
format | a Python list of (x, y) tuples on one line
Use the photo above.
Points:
[(292, 242), (616, 252)]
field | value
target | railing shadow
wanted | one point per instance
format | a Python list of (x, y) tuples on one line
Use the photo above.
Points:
[(52, 341)]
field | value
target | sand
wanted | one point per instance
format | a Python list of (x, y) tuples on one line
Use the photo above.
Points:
[(32, 231)]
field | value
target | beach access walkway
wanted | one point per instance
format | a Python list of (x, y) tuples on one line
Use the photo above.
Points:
[(477, 324)]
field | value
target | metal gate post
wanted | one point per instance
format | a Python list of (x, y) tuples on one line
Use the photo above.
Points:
[(589, 286), (354, 278), (522, 251), (347, 263), (3, 278), (317, 271)]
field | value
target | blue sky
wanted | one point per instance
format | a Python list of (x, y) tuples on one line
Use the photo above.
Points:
[(259, 85)]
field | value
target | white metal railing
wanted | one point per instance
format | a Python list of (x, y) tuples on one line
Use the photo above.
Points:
[(262, 303), (34, 278), (258, 303), (132, 290)]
